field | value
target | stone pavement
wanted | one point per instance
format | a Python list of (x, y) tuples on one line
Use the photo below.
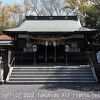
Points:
[(72, 91)]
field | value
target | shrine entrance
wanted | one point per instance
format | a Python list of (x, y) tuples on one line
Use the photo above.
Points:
[(50, 53), (35, 50)]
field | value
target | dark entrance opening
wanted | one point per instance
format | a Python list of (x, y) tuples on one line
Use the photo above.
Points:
[(60, 52), (50, 54), (40, 54)]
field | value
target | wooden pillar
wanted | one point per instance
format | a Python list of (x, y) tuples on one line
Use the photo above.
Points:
[(66, 59), (54, 43), (34, 50), (46, 48), (9, 56), (66, 50), (34, 58)]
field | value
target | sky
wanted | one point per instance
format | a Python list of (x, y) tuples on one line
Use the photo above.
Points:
[(11, 2)]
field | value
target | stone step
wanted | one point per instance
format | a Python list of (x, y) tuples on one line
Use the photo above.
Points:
[(47, 82), (32, 76), (52, 68), (48, 67), (54, 71), (52, 79), (80, 66), (53, 74)]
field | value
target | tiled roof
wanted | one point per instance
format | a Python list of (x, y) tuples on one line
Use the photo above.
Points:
[(5, 38), (49, 25)]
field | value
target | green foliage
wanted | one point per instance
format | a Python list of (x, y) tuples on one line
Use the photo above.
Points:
[(88, 10)]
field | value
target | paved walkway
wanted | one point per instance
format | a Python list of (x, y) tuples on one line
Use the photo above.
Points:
[(50, 92)]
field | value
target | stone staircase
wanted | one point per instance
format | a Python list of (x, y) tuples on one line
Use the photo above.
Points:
[(51, 74)]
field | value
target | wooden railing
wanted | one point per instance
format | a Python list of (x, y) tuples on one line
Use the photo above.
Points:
[(25, 57)]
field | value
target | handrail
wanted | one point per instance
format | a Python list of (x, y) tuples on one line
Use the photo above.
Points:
[(91, 62), (10, 69), (13, 60), (93, 69)]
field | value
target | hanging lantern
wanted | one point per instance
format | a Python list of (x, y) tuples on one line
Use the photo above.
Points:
[(54, 43), (46, 43)]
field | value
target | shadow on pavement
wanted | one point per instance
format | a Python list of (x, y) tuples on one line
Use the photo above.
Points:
[(85, 87)]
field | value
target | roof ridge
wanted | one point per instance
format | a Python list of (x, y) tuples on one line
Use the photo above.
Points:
[(51, 18)]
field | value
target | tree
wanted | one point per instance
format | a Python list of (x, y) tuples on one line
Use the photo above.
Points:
[(93, 14), (16, 13), (52, 7), (77, 6), (4, 17), (86, 9), (10, 16), (46, 7), (26, 7), (97, 6)]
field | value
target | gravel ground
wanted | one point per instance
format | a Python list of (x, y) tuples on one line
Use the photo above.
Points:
[(51, 92)]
